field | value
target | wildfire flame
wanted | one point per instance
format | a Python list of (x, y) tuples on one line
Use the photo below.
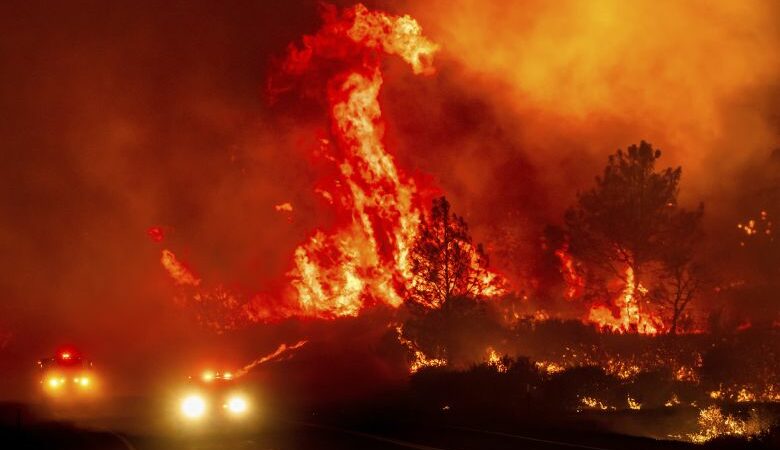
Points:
[(575, 282), (495, 361), (419, 359), (282, 349), (366, 259), (630, 316), (714, 423)]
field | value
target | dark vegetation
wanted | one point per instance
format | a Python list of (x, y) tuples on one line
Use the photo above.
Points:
[(702, 356)]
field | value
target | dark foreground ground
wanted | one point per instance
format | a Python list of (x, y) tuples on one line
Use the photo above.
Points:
[(135, 424)]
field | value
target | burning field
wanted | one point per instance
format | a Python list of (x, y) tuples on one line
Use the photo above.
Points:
[(561, 211)]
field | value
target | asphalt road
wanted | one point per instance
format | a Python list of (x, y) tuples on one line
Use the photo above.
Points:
[(128, 429), (316, 436)]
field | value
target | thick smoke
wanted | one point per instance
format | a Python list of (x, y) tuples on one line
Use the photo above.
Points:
[(532, 98), (579, 79)]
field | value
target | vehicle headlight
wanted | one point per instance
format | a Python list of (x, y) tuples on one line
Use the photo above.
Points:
[(55, 382), (82, 381), (193, 406), (237, 405)]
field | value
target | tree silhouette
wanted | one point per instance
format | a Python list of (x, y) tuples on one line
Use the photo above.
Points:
[(445, 262), (631, 220), (681, 274)]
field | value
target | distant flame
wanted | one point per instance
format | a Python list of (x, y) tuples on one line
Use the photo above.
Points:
[(284, 207), (180, 273), (282, 349), (495, 361)]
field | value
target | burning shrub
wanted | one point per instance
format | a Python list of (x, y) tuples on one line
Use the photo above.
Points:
[(714, 423)]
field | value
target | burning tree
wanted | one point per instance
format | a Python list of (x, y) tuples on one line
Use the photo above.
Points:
[(446, 263), (630, 227)]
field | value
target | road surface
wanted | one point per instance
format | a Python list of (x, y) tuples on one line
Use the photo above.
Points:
[(134, 431)]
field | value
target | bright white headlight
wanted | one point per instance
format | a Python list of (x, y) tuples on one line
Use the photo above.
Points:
[(193, 406), (237, 405)]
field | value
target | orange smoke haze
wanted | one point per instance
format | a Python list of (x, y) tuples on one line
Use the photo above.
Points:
[(583, 78), (531, 98)]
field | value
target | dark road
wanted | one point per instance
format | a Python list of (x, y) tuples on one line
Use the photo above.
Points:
[(126, 428), (305, 436)]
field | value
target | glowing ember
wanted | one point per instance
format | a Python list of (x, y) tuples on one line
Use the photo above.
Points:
[(757, 227)]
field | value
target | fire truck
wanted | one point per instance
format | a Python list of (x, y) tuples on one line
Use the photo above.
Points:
[(214, 396), (66, 375)]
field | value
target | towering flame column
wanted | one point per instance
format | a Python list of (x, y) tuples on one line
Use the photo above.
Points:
[(366, 258)]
